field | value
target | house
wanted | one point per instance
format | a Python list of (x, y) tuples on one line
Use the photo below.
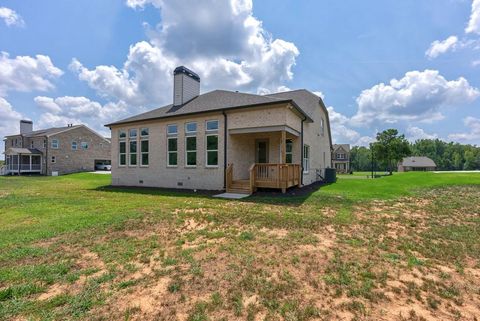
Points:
[(341, 158), (223, 140), (416, 163), (58, 150)]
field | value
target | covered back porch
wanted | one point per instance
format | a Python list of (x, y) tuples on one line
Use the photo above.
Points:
[(267, 157), (22, 160)]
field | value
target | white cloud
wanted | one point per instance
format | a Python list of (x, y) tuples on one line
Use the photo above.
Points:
[(25, 73), (418, 96), (473, 135), (414, 133), (474, 23), (439, 47), (320, 94), (342, 133), (65, 110), (476, 63), (9, 121), (11, 18), (225, 44)]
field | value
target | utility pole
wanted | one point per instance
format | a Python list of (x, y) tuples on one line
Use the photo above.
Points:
[(371, 150)]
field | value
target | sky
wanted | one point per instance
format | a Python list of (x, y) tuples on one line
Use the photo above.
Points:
[(413, 65)]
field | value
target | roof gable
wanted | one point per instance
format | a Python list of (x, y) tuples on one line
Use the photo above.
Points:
[(418, 161)]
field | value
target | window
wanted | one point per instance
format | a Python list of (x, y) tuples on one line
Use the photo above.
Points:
[(341, 156), (132, 133), (191, 151), (289, 151), (55, 143), (44, 143), (133, 153), (84, 145), (31, 144), (144, 132), (74, 145), (212, 150), (190, 128), (144, 152), (54, 159), (122, 153), (122, 134), (306, 158), (212, 125), (172, 151), (172, 129), (322, 126)]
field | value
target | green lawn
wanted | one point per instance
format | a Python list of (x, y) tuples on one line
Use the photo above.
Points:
[(71, 247)]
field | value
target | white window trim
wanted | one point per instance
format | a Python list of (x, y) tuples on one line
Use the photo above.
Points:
[(142, 153), (120, 154), (168, 152), (82, 143), (191, 132), (211, 130), (144, 136), (124, 131), (211, 150), (172, 134), (129, 154), (57, 144), (306, 169), (190, 151), (76, 145)]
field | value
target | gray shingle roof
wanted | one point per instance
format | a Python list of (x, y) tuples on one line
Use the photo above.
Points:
[(25, 151), (46, 132), (346, 147), (418, 161), (216, 100)]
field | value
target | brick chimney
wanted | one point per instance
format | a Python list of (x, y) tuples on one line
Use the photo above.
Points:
[(186, 85), (26, 126)]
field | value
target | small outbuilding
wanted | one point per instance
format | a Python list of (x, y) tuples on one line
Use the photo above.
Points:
[(416, 163)]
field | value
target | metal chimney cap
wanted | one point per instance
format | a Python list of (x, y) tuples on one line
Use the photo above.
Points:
[(186, 71)]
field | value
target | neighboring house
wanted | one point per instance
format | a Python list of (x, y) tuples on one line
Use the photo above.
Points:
[(54, 150), (341, 158), (223, 140), (416, 163)]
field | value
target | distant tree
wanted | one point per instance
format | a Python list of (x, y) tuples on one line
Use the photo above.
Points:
[(360, 158), (457, 161), (470, 160), (390, 148)]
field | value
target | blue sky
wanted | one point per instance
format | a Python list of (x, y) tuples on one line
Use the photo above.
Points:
[(412, 65)]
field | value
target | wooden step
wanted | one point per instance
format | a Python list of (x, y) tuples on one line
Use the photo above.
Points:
[(238, 191)]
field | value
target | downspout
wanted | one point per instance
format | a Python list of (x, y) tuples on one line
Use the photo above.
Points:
[(301, 149), (225, 130), (46, 156)]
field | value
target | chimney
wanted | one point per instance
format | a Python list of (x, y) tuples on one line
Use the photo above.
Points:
[(26, 126), (186, 85)]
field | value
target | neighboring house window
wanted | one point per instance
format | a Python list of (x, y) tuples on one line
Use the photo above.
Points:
[(44, 143), (212, 125), (144, 132), (133, 133), (172, 153), (122, 155), (54, 159), (289, 151), (55, 143), (144, 152), (306, 158), (190, 128), (191, 151), (322, 126), (172, 129), (341, 156), (122, 134), (31, 144), (212, 150), (74, 145), (133, 153), (84, 145)]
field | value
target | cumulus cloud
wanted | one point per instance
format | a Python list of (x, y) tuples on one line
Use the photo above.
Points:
[(11, 18), (414, 133), (474, 23), (418, 96), (439, 47), (342, 133), (9, 120), (473, 133), (25, 73), (65, 110), (225, 44)]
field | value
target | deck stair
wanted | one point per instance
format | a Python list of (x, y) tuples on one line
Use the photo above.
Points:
[(240, 186)]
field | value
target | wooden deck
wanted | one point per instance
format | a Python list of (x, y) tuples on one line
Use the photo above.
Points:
[(279, 176)]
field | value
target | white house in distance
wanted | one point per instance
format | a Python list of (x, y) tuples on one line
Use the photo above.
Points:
[(223, 140), (416, 163), (341, 158)]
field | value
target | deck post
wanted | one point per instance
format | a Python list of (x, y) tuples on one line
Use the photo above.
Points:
[(283, 147)]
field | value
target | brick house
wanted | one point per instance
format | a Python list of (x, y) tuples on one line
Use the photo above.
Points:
[(341, 158)]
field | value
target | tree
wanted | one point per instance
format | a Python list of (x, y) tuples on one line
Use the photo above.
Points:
[(360, 158), (390, 148)]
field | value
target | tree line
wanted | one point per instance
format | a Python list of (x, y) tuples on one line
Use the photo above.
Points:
[(390, 148)]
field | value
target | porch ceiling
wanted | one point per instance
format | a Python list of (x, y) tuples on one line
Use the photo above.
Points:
[(23, 151), (251, 130)]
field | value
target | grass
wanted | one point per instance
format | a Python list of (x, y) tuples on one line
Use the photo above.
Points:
[(71, 247)]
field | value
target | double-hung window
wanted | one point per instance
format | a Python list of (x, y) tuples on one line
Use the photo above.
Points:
[(122, 148), (84, 145), (306, 158), (190, 144), (172, 145), (55, 144), (132, 147), (74, 145), (144, 148), (289, 151), (212, 143)]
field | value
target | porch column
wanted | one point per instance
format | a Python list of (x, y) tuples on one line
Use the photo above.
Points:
[(30, 163), (283, 147)]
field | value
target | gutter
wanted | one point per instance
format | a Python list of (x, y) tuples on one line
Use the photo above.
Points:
[(225, 134), (46, 156), (301, 150)]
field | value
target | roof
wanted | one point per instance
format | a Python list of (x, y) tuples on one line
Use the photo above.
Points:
[(418, 161), (217, 100), (46, 132), (346, 147), (25, 151)]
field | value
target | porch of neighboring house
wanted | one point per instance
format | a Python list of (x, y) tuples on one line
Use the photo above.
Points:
[(269, 158), (22, 161)]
